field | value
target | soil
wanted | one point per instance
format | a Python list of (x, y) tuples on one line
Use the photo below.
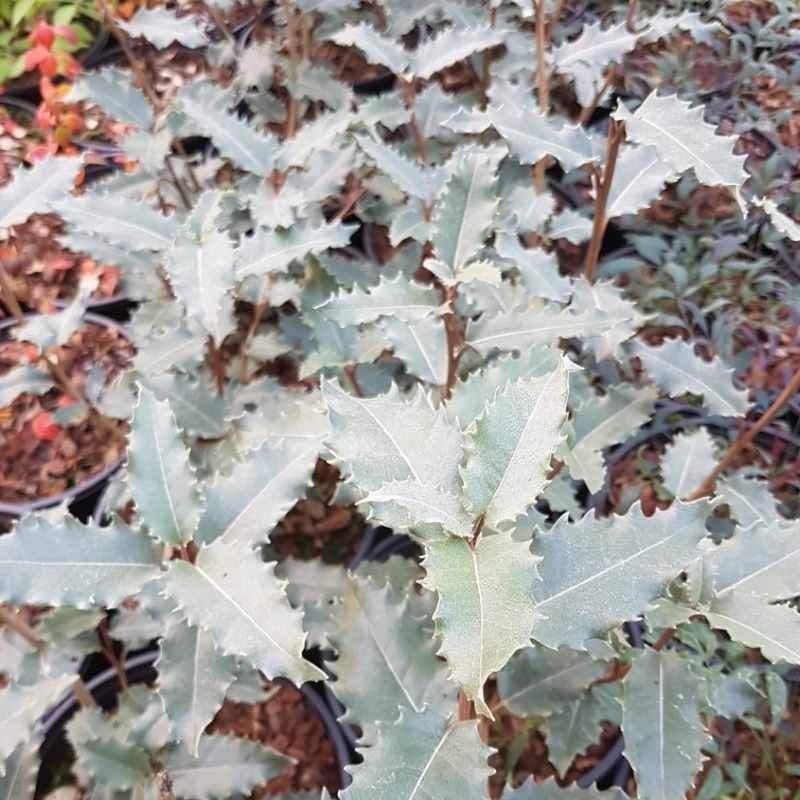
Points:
[(286, 723), (33, 468)]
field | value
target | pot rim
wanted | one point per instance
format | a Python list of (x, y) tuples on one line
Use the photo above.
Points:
[(88, 485)]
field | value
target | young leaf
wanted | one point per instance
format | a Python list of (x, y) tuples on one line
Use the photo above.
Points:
[(661, 721), (466, 207), (398, 298), (539, 681), (245, 506), (486, 610), (422, 756), (233, 595), (226, 766), (161, 27), (160, 477), (193, 677), (422, 346), (687, 461), (73, 564), (594, 46), (627, 568), (601, 422), (676, 369), (510, 446), (685, 141), (386, 659), (32, 191)]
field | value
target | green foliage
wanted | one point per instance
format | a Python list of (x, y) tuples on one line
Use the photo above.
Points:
[(390, 284)]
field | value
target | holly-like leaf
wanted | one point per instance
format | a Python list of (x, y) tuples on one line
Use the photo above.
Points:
[(687, 462), (377, 48), (23, 379), (422, 346), (21, 768), (594, 46), (114, 92), (626, 560), (486, 610), (72, 564), (538, 268), (193, 677), (601, 422), (539, 681), (113, 764), (197, 407), (676, 369), (750, 500), (510, 446), (161, 27), (422, 756), (451, 46), (32, 191), (639, 177), (225, 766), (550, 790), (386, 659), (244, 506), (236, 597), (396, 297), (466, 207), (685, 141), (661, 721), (161, 479)]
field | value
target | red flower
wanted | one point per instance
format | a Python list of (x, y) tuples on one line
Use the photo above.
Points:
[(42, 58), (43, 34)]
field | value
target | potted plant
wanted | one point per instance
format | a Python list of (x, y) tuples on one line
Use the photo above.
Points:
[(466, 384)]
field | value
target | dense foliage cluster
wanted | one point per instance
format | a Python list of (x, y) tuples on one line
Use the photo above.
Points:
[(374, 280)]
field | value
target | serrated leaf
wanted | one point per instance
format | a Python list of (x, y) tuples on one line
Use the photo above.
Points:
[(198, 409), (538, 268), (540, 681), (160, 477), (273, 250), (32, 191), (685, 141), (750, 500), (687, 462), (510, 446), (23, 379), (531, 136), (122, 222), (161, 27), (578, 724), (594, 46), (550, 790), (226, 766), (783, 223), (112, 763), (396, 297), (422, 346), (570, 225), (377, 48), (180, 347), (451, 46), (206, 106), (20, 709), (661, 721), (386, 659), (383, 439), (639, 177), (602, 422), (676, 369), (73, 564), (466, 207), (591, 579), (409, 177), (244, 506), (193, 677), (114, 92), (485, 611), (422, 756), (233, 595)]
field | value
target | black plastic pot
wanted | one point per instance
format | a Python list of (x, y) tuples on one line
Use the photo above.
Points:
[(92, 485), (140, 668)]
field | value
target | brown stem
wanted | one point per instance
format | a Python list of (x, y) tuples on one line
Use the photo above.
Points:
[(466, 708), (216, 364), (187, 203), (258, 313), (664, 639), (587, 112), (542, 84), (486, 63), (630, 14), (616, 133), (164, 784), (219, 21), (11, 619), (408, 91), (290, 126), (107, 647), (350, 371), (9, 296), (350, 199), (82, 694), (380, 17), (453, 343), (745, 438)]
